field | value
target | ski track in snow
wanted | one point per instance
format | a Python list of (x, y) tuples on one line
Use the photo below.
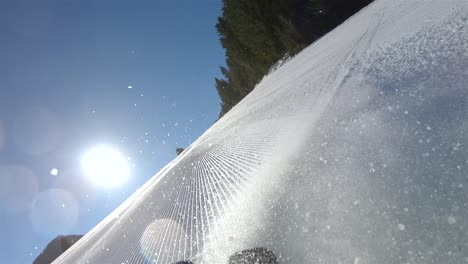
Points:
[(354, 151)]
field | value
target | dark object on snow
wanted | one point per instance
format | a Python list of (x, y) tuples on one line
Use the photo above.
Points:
[(179, 150), (55, 248), (258, 255), (184, 262)]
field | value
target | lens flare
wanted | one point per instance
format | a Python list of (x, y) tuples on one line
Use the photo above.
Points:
[(37, 131), (163, 241), (18, 186), (54, 212), (2, 135)]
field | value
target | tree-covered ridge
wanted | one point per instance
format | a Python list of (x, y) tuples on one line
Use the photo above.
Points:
[(257, 33)]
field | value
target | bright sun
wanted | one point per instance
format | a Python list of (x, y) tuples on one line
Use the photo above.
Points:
[(105, 167)]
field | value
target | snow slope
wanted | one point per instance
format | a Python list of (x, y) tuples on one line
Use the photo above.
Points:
[(355, 151)]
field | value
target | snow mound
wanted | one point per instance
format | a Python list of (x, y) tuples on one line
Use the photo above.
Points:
[(354, 151)]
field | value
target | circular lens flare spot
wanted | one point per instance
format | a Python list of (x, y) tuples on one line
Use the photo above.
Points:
[(18, 186), (164, 241), (105, 167), (2, 135), (37, 131), (54, 212)]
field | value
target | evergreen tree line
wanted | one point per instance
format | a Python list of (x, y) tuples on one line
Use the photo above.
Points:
[(257, 33)]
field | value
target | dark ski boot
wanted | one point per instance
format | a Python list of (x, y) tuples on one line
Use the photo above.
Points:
[(258, 255)]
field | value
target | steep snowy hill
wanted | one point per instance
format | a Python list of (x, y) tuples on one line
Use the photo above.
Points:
[(355, 151)]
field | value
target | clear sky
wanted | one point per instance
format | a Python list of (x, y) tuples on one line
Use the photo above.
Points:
[(65, 71)]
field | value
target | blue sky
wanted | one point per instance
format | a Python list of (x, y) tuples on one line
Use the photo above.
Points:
[(64, 75)]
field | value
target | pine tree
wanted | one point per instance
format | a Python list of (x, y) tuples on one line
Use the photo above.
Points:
[(258, 33)]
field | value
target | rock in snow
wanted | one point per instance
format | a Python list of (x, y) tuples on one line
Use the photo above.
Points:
[(361, 140)]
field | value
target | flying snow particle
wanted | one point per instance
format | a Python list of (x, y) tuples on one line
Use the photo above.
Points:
[(451, 220), (130, 87), (54, 172), (401, 227)]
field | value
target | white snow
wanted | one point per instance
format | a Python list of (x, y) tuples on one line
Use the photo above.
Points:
[(401, 227), (54, 172), (362, 131), (451, 220)]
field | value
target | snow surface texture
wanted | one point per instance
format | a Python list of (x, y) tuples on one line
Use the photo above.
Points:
[(355, 151)]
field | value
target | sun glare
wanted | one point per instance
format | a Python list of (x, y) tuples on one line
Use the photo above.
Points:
[(105, 167)]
